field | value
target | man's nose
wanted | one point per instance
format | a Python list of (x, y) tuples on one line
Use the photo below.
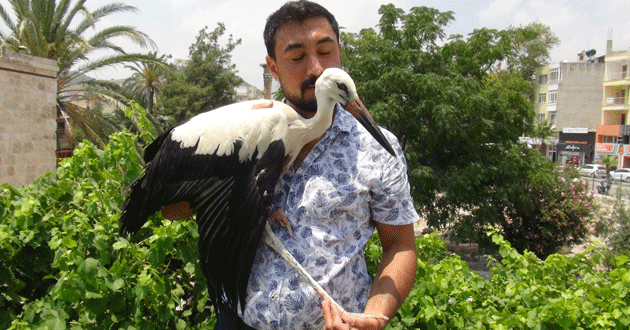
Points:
[(315, 68)]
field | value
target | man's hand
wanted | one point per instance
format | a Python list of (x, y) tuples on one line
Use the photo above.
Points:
[(263, 105), (177, 211), (334, 319)]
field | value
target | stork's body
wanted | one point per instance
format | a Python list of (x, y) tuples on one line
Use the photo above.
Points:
[(225, 163)]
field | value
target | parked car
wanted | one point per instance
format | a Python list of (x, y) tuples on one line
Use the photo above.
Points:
[(593, 170), (621, 174)]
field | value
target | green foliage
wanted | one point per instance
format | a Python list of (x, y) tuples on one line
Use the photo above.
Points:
[(610, 161), (147, 79), (207, 81), (532, 44), (550, 215), (615, 227), (457, 116), (523, 292), (63, 229)]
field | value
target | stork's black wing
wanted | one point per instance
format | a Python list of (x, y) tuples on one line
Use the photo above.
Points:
[(230, 197)]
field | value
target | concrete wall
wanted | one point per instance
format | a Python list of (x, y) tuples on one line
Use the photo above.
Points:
[(580, 96), (28, 93)]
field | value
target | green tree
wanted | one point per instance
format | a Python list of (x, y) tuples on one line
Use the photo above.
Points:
[(59, 30), (542, 131), (531, 46), (610, 161), (206, 82), (457, 116), (147, 80)]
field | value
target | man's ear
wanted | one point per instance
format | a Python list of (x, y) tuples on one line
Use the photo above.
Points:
[(271, 64), (340, 53)]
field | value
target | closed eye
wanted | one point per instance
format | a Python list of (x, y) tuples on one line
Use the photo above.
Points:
[(342, 87)]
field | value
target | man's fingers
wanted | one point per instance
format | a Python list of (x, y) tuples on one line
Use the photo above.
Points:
[(332, 317), (262, 105)]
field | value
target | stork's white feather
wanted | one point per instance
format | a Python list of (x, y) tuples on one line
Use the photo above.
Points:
[(217, 130)]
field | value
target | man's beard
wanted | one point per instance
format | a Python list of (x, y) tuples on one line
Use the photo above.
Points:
[(302, 103)]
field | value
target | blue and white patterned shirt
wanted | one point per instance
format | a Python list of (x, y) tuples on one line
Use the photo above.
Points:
[(346, 180)]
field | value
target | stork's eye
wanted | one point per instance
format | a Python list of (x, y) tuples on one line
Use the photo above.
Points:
[(345, 95), (343, 87)]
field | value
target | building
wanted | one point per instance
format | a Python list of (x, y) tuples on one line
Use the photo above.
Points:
[(245, 92), (568, 95), (28, 98), (613, 135)]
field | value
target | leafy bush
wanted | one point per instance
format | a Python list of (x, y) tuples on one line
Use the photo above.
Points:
[(551, 216), (523, 292), (615, 227), (63, 265), (63, 228)]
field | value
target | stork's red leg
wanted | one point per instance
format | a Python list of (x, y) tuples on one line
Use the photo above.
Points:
[(279, 216)]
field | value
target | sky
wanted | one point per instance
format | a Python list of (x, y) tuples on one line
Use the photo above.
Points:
[(174, 24)]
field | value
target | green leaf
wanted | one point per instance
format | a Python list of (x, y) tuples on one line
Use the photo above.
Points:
[(121, 244)]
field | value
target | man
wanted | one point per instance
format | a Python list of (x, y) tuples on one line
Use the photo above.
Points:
[(329, 199), (341, 187)]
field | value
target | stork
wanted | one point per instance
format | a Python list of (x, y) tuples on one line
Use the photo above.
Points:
[(225, 163)]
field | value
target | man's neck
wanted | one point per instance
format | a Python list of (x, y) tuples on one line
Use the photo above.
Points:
[(304, 114)]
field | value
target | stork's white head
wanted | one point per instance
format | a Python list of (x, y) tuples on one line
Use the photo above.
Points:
[(335, 86)]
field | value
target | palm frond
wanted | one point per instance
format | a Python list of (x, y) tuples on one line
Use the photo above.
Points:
[(7, 19), (129, 32)]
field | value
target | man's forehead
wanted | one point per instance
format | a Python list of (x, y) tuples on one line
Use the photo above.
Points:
[(297, 34)]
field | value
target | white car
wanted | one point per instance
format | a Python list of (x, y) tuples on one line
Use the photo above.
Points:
[(621, 174), (593, 170)]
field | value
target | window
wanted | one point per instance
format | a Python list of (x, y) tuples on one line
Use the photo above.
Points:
[(555, 75), (542, 79), (610, 139), (541, 116), (542, 98), (552, 117), (551, 99)]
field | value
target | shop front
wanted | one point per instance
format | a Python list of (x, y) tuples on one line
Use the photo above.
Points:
[(576, 149), (621, 150)]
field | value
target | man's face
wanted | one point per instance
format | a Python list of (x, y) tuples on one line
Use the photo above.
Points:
[(303, 51)]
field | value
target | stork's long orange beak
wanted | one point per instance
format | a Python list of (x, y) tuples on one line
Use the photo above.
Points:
[(358, 110)]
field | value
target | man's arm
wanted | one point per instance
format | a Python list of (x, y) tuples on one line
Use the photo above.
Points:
[(394, 279)]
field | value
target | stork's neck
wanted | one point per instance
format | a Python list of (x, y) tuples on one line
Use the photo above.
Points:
[(322, 119)]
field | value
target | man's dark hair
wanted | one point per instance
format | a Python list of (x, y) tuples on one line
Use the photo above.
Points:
[(294, 11)]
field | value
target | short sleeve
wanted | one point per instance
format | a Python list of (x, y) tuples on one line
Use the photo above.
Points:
[(391, 198)]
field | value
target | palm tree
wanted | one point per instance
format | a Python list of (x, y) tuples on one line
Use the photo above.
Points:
[(147, 80), (57, 30), (543, 130)]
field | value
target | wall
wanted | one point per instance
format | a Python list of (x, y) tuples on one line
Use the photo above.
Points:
[(580, 95), (28, 93)]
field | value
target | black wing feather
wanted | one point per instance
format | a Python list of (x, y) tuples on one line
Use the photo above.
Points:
[(231, 199)]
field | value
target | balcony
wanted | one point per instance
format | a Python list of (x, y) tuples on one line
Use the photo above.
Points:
[(615, 103), (616, 78), (618, 75)]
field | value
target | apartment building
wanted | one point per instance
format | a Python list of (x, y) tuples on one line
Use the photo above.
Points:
[(568, 95), (613, 135)]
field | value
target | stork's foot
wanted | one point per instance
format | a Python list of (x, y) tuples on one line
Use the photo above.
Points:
[(279, 216)]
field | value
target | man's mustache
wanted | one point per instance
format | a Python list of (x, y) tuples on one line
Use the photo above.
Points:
[(308, 82)]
